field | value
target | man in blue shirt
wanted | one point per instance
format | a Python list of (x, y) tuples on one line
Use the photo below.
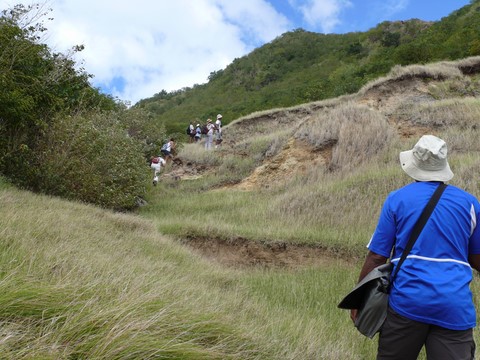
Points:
[(430, 301)]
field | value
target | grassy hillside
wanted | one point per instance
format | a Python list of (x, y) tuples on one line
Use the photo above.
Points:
[(301, 66), (295, 191), (83, 283), (305, 174)]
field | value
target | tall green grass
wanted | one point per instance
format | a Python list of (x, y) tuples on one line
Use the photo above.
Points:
[(78, 282)]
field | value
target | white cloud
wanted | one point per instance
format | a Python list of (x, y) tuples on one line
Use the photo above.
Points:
[(323, 14), (389, 8), (163, 44), (257, 18)]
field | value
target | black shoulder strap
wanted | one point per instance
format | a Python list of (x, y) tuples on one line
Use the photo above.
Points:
[(427, 211)]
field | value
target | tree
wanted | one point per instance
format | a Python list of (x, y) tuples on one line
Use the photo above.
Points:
[(36, 83), (58, 134), (391, 39)]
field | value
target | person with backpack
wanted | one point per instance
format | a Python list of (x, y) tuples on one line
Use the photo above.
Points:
[(204, 129), (191, 132), (168, 148), (156, 164)]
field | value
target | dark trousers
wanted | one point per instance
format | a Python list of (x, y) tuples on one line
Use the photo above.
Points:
[(402, 339)]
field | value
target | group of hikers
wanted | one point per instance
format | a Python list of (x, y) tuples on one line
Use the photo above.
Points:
[(208, 130), (195, 133)]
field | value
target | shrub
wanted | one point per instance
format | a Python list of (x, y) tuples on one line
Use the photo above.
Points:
[(91, 158)]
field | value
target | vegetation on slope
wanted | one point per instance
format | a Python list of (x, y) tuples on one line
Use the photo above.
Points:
[(301, 66), (58, 134), (289, 173), (62, 137)]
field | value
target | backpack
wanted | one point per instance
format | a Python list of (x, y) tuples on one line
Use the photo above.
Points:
[(204, 129), (164, 147), (188, 130)]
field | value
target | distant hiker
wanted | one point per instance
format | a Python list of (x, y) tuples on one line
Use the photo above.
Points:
[(204, 129), (198, 133), (168, 148), (156, 164), (218, 129), (209, 137), (191, 132)]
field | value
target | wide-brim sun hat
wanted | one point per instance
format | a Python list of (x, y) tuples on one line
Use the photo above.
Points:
[(427, 161), (219, 116)]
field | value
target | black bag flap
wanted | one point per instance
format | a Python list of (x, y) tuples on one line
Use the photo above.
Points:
[(355, 298)]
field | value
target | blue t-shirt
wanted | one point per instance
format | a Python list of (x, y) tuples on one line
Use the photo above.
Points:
[(432, 285)]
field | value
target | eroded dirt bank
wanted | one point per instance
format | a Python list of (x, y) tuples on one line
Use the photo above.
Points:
[(244, 253)]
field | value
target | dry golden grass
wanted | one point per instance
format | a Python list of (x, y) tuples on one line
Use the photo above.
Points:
[(435, 71), (356, 133)]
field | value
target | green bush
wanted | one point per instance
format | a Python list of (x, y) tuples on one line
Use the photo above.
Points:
[(91, 158)]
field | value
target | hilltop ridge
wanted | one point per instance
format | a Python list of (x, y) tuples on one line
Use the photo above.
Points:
[(300, 67)]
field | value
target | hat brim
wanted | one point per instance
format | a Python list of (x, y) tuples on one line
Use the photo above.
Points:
[(408, 165)]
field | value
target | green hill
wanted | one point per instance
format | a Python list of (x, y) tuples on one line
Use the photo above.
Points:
[(302, 66)]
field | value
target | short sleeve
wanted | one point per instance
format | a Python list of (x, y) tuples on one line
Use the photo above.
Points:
[(383, 238), (474, 243)]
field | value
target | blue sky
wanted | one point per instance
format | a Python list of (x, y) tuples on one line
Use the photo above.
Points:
[(360, 15), (135, 49)]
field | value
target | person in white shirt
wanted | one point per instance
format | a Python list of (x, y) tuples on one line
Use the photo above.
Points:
[(156, 164), (218, 127), (191, 132), (209, 137), (168, 148)]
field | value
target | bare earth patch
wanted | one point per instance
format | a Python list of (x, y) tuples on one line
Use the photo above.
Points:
[(245, 253), (295, 159)]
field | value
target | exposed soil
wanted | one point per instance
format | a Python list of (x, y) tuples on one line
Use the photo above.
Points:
[(295, 158), (243, 253)]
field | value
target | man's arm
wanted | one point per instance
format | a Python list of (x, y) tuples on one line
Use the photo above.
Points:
[(474, 260), (371, 262)]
